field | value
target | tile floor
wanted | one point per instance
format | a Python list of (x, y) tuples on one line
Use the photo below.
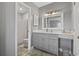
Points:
[(22, 51)]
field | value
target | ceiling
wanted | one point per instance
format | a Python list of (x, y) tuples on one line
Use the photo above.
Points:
[(41, 4), (22, 9)]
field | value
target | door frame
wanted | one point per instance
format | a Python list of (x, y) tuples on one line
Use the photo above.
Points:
[(76, 40), (30, 27)]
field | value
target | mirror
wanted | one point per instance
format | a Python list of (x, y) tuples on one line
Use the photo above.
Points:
[(53, 21)]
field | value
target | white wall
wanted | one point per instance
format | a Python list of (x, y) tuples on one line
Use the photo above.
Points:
[(66, 8), (22, 27), (76, 27)]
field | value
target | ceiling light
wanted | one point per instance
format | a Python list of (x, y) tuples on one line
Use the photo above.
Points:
[(21, 9)]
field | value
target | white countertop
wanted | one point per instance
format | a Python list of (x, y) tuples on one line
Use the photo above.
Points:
[(68, 35), (42, 31)]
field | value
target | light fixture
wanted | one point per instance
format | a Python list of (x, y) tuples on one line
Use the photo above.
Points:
[(49, 13), (54, 13), (21, 9)]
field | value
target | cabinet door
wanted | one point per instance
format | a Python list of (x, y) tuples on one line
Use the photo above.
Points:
[(45, 44), (40, 42), (53, 46), (35, 40)]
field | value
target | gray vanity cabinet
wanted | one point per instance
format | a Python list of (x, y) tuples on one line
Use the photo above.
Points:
[(40, 42), (46, 42), (43, 42), (53, 46), (35, 41)]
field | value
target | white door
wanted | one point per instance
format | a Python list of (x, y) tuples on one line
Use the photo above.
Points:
[(76, 28)]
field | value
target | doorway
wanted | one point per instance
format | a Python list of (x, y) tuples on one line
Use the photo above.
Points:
[(23, 26)]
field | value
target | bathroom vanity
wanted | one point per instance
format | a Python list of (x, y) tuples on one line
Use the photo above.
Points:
[(46, 42), (53, 38), (50, 42)]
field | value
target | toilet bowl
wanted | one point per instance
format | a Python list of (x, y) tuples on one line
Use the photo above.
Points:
[(26, 43)]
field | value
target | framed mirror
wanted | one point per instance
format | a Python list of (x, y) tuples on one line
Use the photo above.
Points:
[(53, 22)]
